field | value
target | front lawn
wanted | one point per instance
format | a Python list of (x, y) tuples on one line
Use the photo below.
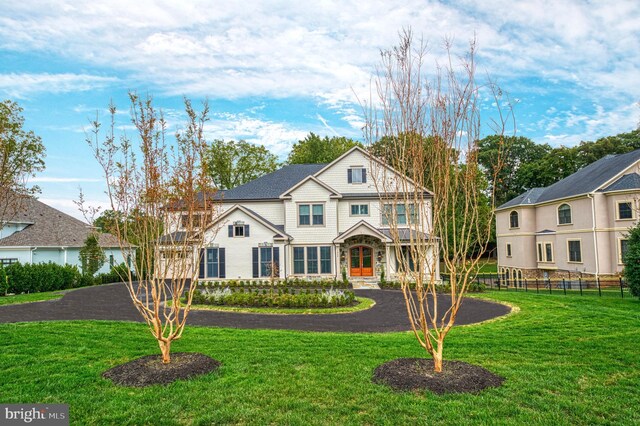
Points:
[(30, 297), (566, 361)]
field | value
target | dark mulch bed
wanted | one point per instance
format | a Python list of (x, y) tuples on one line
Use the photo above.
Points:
[(409, 374), (149, 370)]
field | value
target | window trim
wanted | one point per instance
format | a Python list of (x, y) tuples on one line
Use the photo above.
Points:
[(517, 219), (618, 210), (359, 215), (508, 250), (570, 215), (579, 240), (311, 204), (620, 239)]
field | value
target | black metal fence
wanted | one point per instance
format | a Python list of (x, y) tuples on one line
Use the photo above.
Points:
[(568, 286)]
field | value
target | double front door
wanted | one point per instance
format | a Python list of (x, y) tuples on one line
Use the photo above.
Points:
[(361, 261)]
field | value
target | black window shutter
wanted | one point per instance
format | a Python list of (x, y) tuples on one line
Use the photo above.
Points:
[(254, 256), (230, 231), (201, 274), (246, 230), (349, 176), (364, 175), (276, 259), (221, 257)]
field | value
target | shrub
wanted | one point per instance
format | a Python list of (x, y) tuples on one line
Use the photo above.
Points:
[(632, 261), (255, 297), (4, 282), (33, 278)]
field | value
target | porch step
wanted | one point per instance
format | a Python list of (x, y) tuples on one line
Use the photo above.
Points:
[(365, 285)]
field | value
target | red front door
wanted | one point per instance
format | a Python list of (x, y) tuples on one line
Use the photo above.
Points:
[(361, 261)]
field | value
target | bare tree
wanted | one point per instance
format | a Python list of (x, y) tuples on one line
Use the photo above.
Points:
[(163, 193), (428, 129)]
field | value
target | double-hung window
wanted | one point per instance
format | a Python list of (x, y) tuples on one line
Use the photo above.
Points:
[(311, 214), (625, 210)]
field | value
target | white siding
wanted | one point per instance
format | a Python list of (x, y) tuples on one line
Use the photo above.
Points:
[(311, 193), (238, 249)]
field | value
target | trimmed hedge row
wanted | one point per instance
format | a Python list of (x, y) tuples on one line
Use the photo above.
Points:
[(286, 283), (20, 278), (281, 299), (474, 287)]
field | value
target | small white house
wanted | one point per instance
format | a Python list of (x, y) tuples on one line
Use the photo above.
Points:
[(307, 220), (39, 234)]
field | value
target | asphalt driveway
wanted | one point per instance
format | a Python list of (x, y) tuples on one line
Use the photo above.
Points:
[(111, 302)]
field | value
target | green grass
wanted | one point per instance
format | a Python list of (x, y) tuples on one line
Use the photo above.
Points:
[(31, 297), (363, 304), (486, 266), (566, 361)]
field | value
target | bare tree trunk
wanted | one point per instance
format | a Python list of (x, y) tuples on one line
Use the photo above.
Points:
[(165, 348)]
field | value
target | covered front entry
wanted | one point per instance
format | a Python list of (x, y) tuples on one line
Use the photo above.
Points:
[(361, 261)]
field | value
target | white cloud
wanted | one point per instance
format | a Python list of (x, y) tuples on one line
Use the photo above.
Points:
[(276, 137), (69, 207), (16, 85)]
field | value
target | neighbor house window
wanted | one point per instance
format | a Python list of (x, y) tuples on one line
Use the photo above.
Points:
[(112, 261), (8, 261), (359, 209), (400, 213), (575, 250), (196, 220), (317, 260), (564, 214), (622, 250), (508, 249), (624, 210), (238, 230), (513, 220), (545, 252), (311, 214), (548, 251), (357, 175)]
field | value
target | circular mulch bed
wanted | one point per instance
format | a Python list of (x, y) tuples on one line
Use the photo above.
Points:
[(149, 370), (408, 374)]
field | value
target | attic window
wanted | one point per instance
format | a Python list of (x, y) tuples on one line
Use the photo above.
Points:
[(238, 230), (357, 175)]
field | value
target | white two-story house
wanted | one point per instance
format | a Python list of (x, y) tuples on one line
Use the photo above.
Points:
[(310, 221)]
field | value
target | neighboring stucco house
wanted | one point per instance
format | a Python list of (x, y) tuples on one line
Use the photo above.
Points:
[(309, 220), (576, 226), (39, 233)]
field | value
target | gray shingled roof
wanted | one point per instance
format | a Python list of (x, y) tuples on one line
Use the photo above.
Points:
[(51, 228), (630, 181), (526, 198), (404, 234), (272, 185), (584, 181)]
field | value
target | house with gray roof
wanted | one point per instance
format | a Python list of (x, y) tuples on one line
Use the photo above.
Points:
[(308, 221), (575, 227), (39, 233)]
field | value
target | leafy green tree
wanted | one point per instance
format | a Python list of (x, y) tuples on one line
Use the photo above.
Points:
[(521, 152), (316, 150), (632, 261), (235, 163), (21, 156), (92, 256)]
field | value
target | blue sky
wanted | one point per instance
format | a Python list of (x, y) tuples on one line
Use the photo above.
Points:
[(275, 70)]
